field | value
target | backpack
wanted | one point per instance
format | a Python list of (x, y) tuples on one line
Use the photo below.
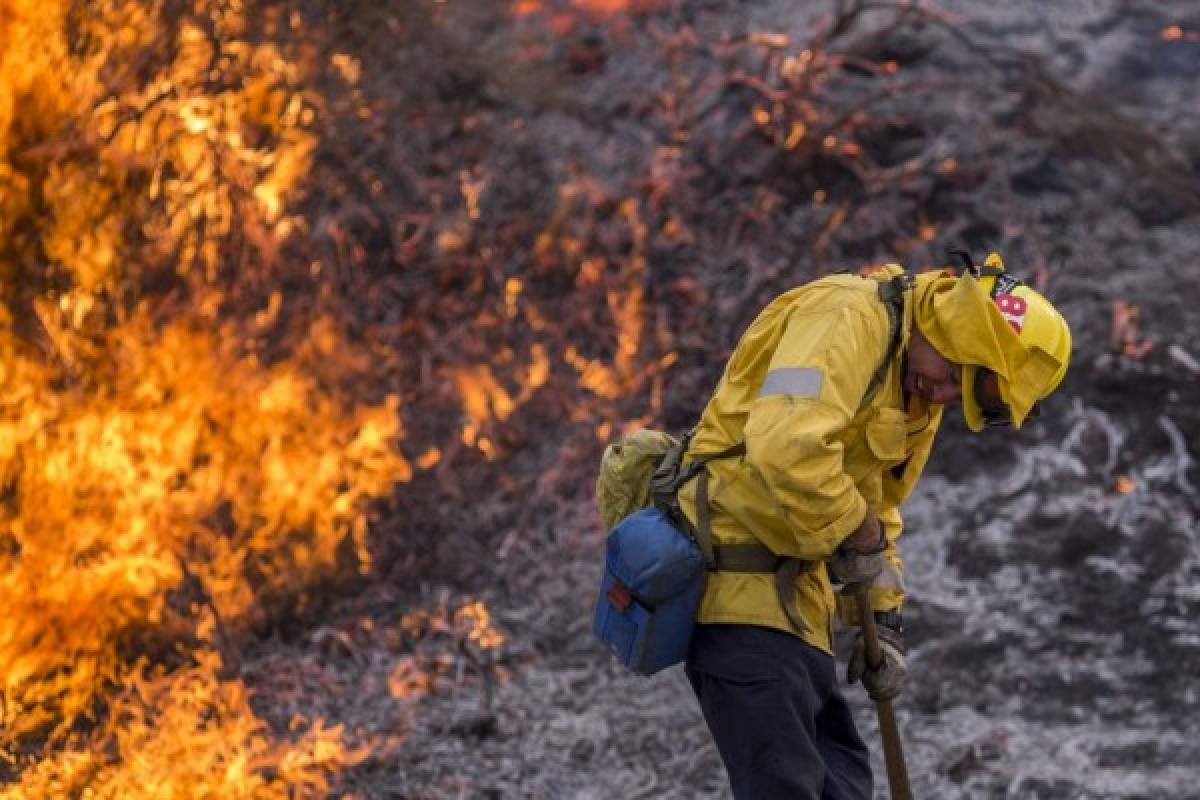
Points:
[(628, 464), (656, 561)]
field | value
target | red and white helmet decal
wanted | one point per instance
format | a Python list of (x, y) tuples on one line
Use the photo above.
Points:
[(1013, 308)]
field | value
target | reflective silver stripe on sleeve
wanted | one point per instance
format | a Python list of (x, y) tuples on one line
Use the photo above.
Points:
[(796, 381)]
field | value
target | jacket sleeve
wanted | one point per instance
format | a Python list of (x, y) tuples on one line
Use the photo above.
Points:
[(814, 384)]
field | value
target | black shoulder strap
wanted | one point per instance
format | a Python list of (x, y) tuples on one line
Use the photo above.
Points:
[(891, 294), (701, 461), (669, 478)]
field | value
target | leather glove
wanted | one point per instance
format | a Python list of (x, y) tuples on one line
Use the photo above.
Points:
[(887, 681), (853, 567)]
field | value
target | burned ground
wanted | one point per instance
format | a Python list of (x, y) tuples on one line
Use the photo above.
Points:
[(701, 157)]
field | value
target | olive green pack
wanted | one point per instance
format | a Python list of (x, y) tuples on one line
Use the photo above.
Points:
[(623, 485)]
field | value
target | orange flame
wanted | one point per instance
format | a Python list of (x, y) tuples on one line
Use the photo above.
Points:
[(1176, 33), (1126, 330), (116, 483), (469, 626), (484, 399), (563, 17), (139, 454), (525, 8), (190, 734)]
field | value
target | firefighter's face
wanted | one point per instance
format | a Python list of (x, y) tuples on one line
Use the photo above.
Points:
[(929, 375)]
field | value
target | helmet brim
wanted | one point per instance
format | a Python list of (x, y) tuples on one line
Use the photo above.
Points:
[(972, 412)]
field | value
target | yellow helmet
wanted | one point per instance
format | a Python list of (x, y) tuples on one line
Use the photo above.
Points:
[(1039, 326)]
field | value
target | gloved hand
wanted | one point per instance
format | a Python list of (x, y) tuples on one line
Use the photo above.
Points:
[(853, 565), (887, 681)]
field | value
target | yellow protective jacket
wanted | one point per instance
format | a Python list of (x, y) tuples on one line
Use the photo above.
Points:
[(818, 458)]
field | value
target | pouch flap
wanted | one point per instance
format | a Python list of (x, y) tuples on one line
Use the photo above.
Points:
[(651, 556), (886, 434)]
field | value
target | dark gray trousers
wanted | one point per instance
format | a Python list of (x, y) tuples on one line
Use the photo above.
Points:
[(781, 725)]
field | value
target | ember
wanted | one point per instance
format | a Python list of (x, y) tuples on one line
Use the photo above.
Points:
[(1126, 337), (1175, 33)]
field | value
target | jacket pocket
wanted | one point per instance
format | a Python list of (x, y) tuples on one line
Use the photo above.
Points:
[(886, 435)]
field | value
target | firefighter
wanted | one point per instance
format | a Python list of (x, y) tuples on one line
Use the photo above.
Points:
[(837, 391)]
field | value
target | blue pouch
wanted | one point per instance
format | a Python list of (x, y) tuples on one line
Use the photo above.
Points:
[(653, 582)]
